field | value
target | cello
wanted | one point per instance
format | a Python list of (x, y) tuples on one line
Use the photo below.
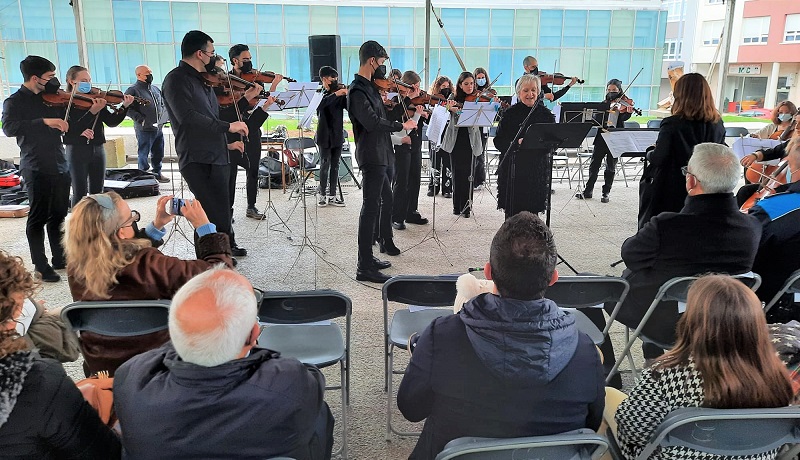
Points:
[(769, 187)]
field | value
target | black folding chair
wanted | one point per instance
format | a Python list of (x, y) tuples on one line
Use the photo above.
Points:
[(581, 444)]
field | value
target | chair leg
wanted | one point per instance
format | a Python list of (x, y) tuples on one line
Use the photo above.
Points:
[(625, 352), (347, 375), (350, 171), (389, 369), (345, 402)]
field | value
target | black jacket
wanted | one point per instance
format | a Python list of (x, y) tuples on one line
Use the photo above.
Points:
[(80, 120), (371, 126), (529, 168), (146, 117), (662, 187), (397, 114), (708, 235), (40, 147), (501, 368), (254, 120), (330, 128), (257, 407), (48, 418), (775, 153), (194, 114), (779, 216)]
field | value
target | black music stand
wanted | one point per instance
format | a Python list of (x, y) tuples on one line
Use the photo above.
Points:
[(551, 136), (583, 112)]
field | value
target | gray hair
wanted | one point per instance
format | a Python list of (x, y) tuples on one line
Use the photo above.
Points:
[(528, 60), (527, 79), (716, 167), (234, 304)]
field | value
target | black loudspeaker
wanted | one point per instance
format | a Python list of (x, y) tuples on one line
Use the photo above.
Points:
[(324, 50)]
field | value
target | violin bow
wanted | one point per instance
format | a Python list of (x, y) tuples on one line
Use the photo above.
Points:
[(630, 84), (97, 115), (452, 46), (236, 107)]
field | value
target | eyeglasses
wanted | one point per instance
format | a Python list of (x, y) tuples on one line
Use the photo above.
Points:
[(135, 217), (210, 54), (685, 171)]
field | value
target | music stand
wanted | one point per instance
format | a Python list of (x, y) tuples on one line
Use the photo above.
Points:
[(583, 112), (552, 136), (475, 115)]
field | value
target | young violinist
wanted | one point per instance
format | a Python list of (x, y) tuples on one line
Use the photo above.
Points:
[(200, 140), (463, 144), (521, 177), (623, 112), (482, 82), (441, 174), (86, 138), (372, 128), (531, 66), (38, 129), (330, 135), (254, 117), (407, 156)]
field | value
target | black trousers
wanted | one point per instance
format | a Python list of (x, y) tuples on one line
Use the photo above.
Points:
[(601, 151), (87, 166), (462, 161), (441, 174), (210, 184), (408, 165), (48, 195), (329, 169), (250, 165), (375, 187)]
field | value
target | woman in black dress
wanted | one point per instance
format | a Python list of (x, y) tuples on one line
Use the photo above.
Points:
[(522, 176)]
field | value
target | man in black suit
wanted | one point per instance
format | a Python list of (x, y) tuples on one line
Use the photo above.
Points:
[(708, 235), (330, 134)]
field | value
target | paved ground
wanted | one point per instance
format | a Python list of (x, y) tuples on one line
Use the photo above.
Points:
[(588, 235)]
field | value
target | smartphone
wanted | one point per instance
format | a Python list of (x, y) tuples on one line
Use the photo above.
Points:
[(174, 206)]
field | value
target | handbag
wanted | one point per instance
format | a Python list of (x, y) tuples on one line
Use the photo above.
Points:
[(98, 391)]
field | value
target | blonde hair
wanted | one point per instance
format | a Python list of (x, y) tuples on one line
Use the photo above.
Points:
[(95, 252)]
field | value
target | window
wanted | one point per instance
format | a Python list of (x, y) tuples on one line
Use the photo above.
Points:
[(599, 28), (675, 9), (157, 26), (755, 30), (712, 32), (401, 28), (644, 32), (477, 28), (11, 24), (127, 21), (575, 28), (672, 50), (270, 26), (242, 23), (99, 20), (792, 30), (502, 28), (350, 25), (37, 20), (550, 28)]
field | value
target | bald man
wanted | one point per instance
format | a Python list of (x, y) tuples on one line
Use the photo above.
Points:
[(212, 393), (148, 121), (531, 65)]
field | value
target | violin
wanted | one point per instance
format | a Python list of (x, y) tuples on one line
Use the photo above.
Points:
[(79, 100), (774, 181), (485, 96), (226, 99), (432, 99), (263, 77), (389, 84), (557, 78), (625, 104), (115, 96), (787, 133)]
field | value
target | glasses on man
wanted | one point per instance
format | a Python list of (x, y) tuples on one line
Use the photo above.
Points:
[(211, 54), (685, 171), (135, 217)]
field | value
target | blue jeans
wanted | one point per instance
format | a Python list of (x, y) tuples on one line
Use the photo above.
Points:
[(150, 141)]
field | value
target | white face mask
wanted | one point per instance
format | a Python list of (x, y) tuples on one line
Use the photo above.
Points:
[(785, 117)]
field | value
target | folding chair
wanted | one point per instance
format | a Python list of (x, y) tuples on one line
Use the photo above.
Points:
[(299, 326), (302, 164), (347, 153), (573, 292), (562, 162), (676, 290), (425, 292), (654, 123), (581, 444), (722, 432), (118, 318), (734, 133), (791, 286), (632, 124), (586, 153)]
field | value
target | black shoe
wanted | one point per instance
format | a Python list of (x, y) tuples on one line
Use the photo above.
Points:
[(604, 198), (431, 193), (398, 225), (447, 195), (584, 195), (235, 262), (161, 179), (254, 213), (48, 275), (59, 264), (416, 219), (456, 213), (388, 247), (380, 264), (372, 275), (236, 251), (465, 214)]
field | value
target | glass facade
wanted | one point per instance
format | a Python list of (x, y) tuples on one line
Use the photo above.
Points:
[(595, 45)]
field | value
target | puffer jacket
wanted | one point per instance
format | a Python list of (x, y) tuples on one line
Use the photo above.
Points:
[(501, 368)]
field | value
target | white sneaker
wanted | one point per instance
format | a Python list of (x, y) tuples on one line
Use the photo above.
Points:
[(335, 201), (323, 201)]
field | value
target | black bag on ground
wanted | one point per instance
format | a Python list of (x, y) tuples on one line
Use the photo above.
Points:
[(136, 183), (269, 172)]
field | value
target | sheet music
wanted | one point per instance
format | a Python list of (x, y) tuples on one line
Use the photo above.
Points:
[(478, 114), (305, 122), (557, 112), (746, 145), (298, 95), (620, 142), (436, 124)]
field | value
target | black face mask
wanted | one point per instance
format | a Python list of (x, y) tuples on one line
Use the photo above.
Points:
[(535, 71), (148, 79), (246, 67), (52, 86), (380, 72), (610, 96), (333, 85), (211, 67), (446, 92)]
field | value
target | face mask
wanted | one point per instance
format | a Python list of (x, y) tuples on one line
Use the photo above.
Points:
[(611, 96), (52, 86), (246, 67), (84, 87), (211, 67), (785, 117), (380, 72), (333, 84), (148, 79), (480, 81), (788, 176), (446, 92), (535, 70)]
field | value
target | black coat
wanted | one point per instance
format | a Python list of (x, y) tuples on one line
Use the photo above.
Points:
[(528, 167), (254, 121), (147, 117), (330, 128), (81, 120), (49, 418), (662, 187), (371, 125), (708, 235), (257, 407), (501, 368), (779, 216)]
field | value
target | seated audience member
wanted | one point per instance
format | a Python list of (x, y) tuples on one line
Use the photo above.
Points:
[(779, 216), (109, 258), (45, 331), (708, 235), (778, 152), (723, 358), (510, 363), (211, 393), (42, 415)]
